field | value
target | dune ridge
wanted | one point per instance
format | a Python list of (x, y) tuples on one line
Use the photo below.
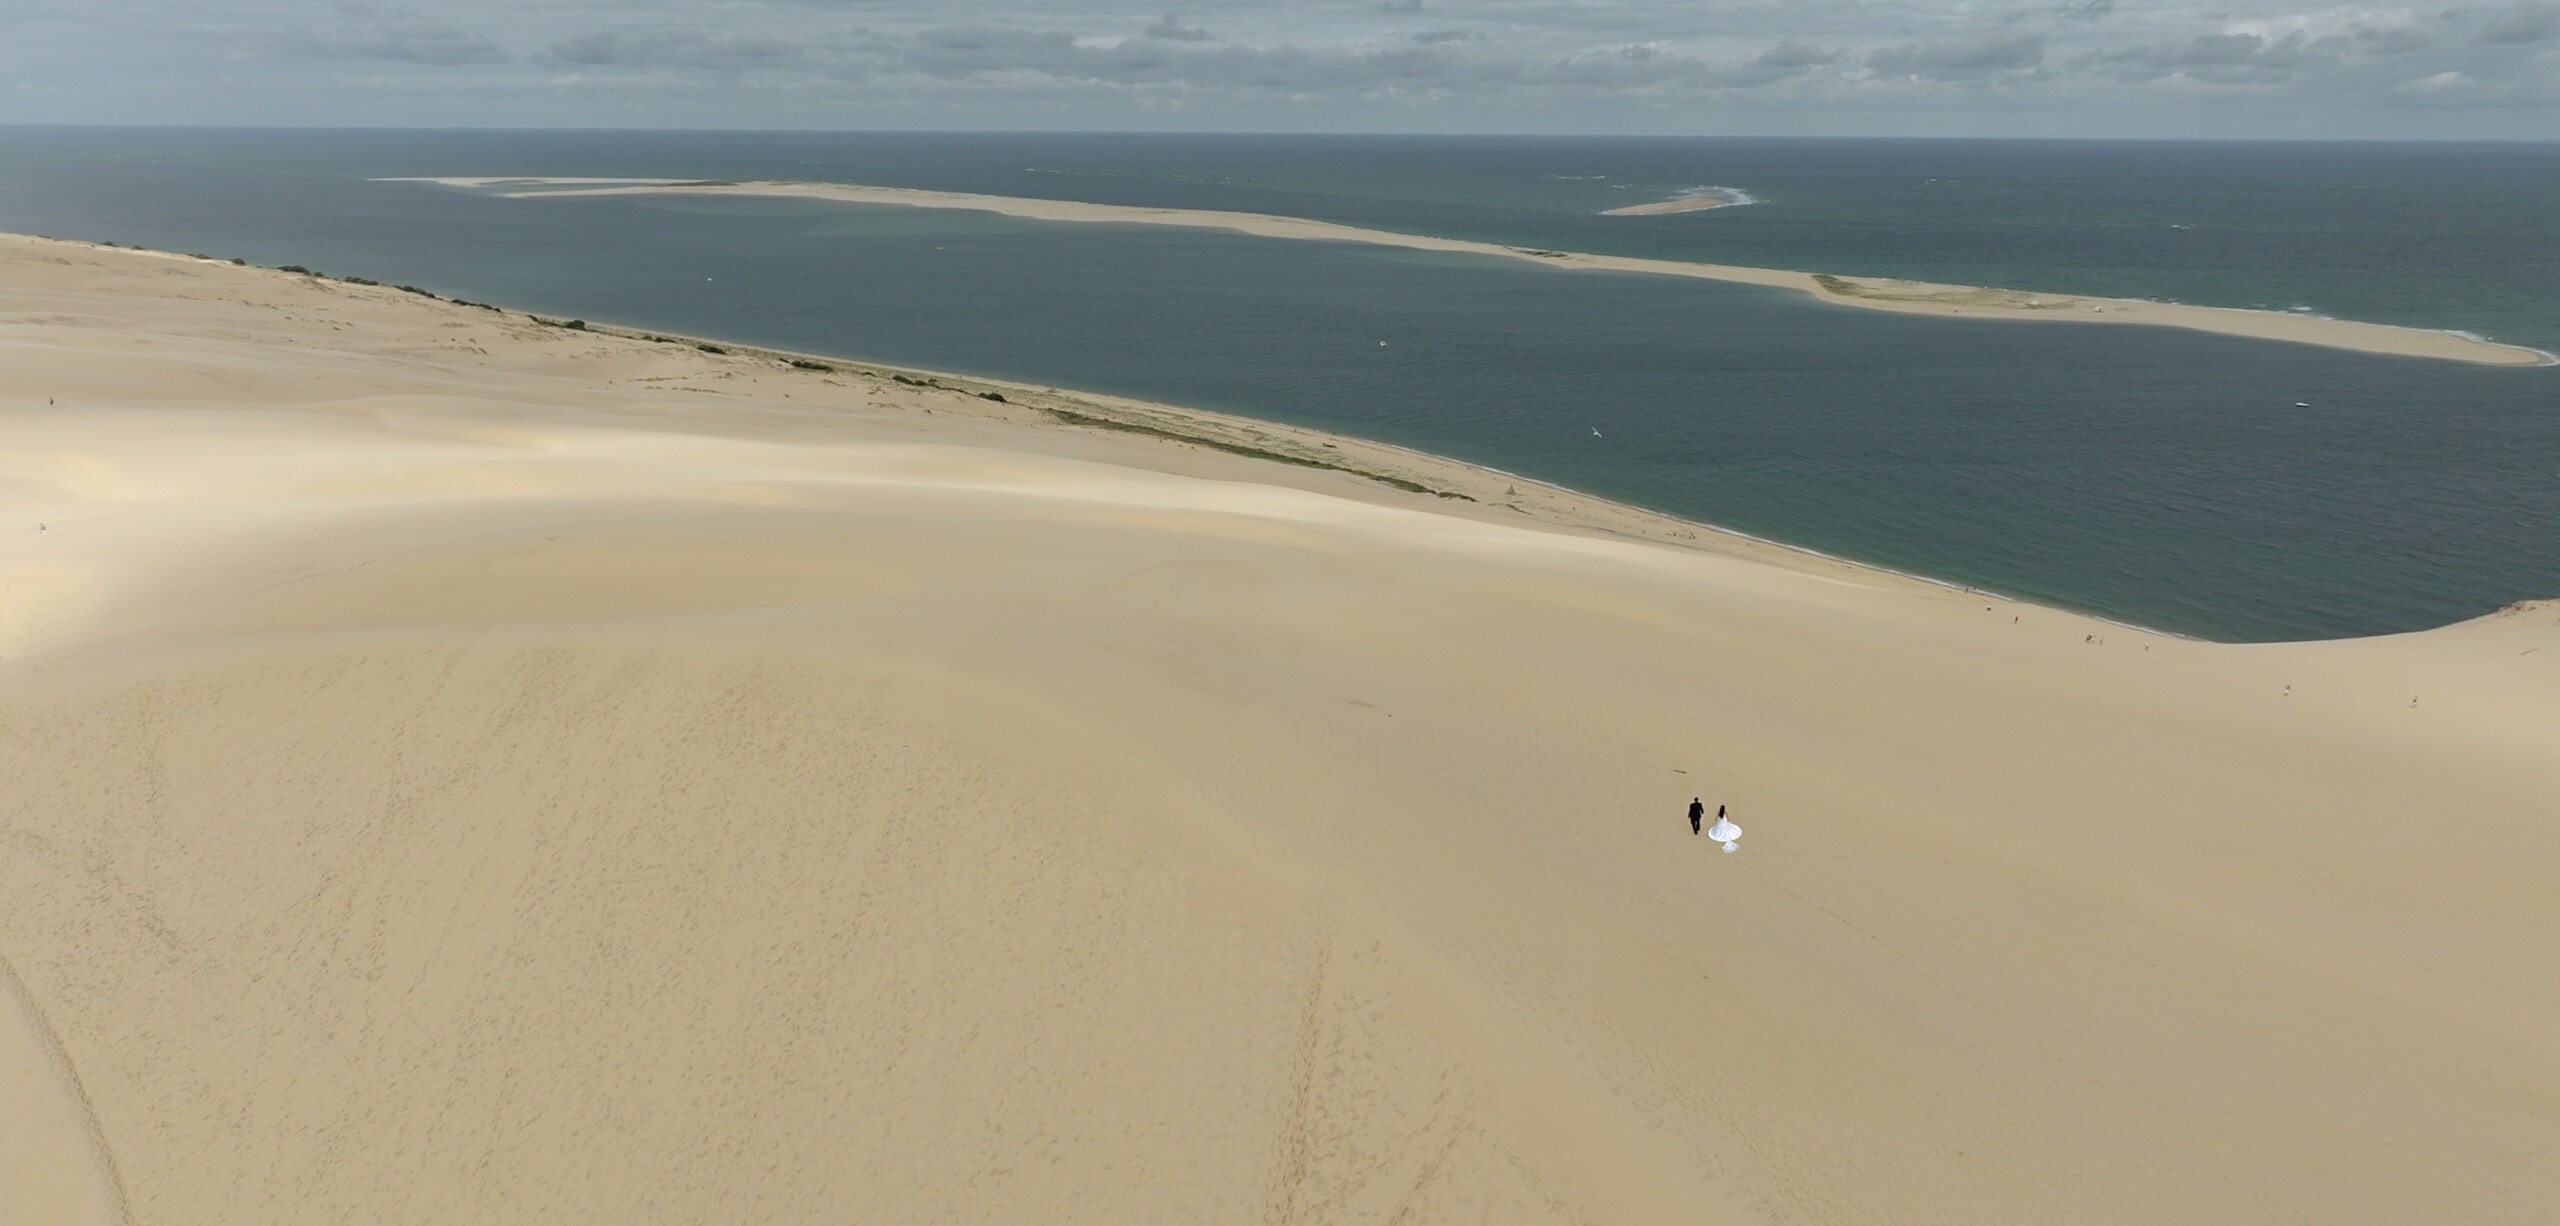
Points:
[(1869, 293), (466, 769)]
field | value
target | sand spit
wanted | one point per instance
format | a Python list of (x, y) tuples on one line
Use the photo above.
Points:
[(462, 769), (1683, 204), (1909, 297)]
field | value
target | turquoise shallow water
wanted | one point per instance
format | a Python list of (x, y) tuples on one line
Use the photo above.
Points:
[(2162, 477)]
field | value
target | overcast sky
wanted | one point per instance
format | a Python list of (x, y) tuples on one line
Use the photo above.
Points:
[(2060, 67)]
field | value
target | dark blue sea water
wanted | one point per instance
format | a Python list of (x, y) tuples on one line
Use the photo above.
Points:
[(2159, 476)]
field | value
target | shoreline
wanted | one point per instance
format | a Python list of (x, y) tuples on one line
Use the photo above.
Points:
[(1445, 477), (1464, 487), (1251, 438), (1676, 531), (1644, 524), (1867, 293)]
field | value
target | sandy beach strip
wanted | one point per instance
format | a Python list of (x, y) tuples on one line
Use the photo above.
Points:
[(1871, 293), (467, 768)]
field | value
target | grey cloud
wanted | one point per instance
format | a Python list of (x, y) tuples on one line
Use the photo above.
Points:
[(2514, 24), (2207, 50), (1960, 60), (1621, 68), (961, 52), (680, 48), (1865, 64), (435, 44), (2393, 40), (1426, 66), (1794, 55), (2364, 56), (2220, 59), (1779, 63), (1172, 28)]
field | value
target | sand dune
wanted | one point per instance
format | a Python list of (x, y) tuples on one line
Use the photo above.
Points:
[(463, 770), (1870, 293)]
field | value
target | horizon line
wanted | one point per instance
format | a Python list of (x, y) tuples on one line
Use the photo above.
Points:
[(1253, 133)]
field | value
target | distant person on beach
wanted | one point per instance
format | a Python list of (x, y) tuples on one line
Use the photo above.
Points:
[(1698, 814)]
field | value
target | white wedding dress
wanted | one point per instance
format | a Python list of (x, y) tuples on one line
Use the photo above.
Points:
[(1725, 832)]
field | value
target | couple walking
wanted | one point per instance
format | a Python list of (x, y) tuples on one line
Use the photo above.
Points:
[(1725, 832)]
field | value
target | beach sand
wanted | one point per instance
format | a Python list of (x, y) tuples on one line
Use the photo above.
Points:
[(1871, 293), (462, 770)]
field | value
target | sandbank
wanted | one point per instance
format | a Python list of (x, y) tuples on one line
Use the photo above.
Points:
[(1871, 293), (462, 769), (1683, 204)]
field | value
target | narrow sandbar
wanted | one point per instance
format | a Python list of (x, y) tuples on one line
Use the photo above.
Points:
[(1871, 293), (1684, 204)]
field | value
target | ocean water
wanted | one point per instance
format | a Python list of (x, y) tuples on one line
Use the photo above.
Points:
[(2162, 477)]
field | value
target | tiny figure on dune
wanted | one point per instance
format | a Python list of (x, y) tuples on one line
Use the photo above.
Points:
[(1697, 813), (1724, 831)]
